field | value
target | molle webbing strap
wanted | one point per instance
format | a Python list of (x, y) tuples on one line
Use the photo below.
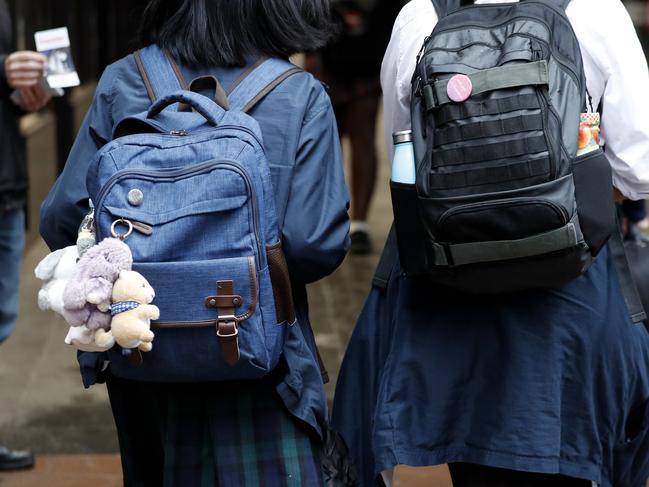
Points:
[(478, 252), (493, 106), (501, 77), (491, 175), (490, 152), (491, 128)]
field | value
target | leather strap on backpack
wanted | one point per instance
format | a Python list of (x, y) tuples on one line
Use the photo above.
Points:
[(227, 331)]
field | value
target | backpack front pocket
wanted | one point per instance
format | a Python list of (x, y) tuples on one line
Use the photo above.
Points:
[(202, 212), (187, 346), (500, 220)]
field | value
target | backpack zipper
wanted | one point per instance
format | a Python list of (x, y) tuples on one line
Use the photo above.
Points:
[(173, 174), (468, 207)]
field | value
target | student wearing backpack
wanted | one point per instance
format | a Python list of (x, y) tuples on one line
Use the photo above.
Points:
[(258, 431), (528, 388)]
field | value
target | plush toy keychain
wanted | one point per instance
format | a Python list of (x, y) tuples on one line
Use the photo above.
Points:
[(55, 271), (95, 290), (132, 314)]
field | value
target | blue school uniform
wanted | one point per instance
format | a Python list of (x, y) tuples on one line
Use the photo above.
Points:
[(302, 147), (547, 381)]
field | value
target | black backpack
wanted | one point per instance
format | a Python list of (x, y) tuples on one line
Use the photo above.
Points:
[(502, 202)]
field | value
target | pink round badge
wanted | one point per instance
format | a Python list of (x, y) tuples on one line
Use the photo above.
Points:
[(459, 88)]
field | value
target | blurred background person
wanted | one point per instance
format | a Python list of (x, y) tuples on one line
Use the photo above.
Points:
[(350, 66), (21, 72)]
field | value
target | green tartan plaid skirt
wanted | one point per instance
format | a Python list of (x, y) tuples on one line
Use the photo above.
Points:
[(233, 434)]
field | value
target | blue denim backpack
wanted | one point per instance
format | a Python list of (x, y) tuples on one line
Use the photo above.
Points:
[(187, 186)]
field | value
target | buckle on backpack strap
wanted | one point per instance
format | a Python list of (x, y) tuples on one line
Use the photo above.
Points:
[(441, 255), (226, 322)]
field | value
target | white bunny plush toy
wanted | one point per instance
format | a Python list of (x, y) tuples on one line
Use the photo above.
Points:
[(55, 271)]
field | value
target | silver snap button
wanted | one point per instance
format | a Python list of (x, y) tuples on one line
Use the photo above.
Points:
[(135, 197)]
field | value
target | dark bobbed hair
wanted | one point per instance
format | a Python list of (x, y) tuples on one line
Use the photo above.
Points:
[(227, 32)]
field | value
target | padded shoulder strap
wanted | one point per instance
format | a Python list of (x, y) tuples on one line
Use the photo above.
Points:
[(258, 82), (160, 73), (445, 7), (561, 3)]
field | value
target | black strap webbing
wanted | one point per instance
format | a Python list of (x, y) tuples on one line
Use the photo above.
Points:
[(491, 128), (436, 93), (618, 254), (490, 175), (445, 7), (629, 289), (490, 152), (386, 263), (494, 106)]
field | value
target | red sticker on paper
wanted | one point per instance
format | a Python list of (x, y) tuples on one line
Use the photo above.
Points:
[(459, 88)]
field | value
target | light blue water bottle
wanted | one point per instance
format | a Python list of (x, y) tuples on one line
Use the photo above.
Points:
[(403, 163)]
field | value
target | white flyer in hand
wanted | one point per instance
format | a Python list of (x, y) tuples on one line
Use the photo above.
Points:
[(59, 68)]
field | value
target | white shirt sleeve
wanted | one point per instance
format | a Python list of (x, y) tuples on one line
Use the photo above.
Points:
[(614, 64), (415, 21), (616, 73)]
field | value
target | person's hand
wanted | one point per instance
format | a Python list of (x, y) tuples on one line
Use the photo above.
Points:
[(33, 98), (24, 69)]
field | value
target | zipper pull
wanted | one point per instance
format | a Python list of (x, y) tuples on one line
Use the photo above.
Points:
[(178, 132), (142, 228)]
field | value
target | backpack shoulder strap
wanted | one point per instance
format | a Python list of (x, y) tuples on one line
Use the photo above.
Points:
[(257, 82), (445, 7), (387, 260), (160, 73), (563, 4)]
